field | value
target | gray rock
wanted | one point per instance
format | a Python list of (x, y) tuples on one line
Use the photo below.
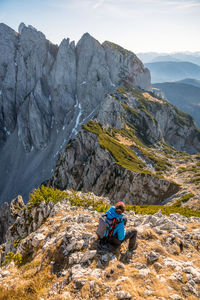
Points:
[(175, 297), (152, 257), (79, 283), (4, 273), (37, 239), (120, 266), (8, 215), (87, 165), (123, 295), (88, 255), (157, 266), (47, 92)]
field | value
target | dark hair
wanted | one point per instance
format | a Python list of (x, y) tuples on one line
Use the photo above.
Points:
[(120, 207)]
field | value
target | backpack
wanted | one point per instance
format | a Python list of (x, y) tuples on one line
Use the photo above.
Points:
[(106, 227)]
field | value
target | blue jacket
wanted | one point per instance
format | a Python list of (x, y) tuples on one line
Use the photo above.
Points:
[(120, 230)]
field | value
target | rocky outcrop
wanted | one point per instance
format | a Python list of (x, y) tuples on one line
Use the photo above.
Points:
[(46, 92), (63, 251), (86, 166), (8, 215), (89, 165)]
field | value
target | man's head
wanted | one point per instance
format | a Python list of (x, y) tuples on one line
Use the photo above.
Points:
[(120, 207)]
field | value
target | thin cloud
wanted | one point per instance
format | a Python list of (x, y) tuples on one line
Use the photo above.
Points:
[(98, 4)]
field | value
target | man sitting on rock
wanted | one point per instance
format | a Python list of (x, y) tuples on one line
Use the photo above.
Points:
[(119, 234)]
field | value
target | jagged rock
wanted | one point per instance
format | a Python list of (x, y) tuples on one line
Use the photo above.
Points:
[(46, 91), (175, 297), (157, 266), (176, 276), (48, 246), (77, 271), (79, 283), (121, 266), (144, 272), (87, 165), (123, 295), (37, 239), (89, 255), (4, 273), (8, 215)]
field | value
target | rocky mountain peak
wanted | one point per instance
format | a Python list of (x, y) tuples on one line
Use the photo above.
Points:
[(47, 92)]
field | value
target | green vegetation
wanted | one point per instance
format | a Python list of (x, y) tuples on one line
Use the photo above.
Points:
[(166, 210), (45, 194), (118, 48), (17, 258), (16, 242), (86, 200), (182, 119), (183, 199), (124, 156)]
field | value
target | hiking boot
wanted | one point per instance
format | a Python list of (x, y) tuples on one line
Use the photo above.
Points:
[(102, 245), (133, 247)]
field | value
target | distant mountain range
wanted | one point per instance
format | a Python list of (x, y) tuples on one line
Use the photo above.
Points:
[(190, 81), (168, 71), (148, 57), (185, 94)]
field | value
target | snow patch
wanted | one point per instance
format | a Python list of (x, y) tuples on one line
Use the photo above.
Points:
[(49, 98), (89, 115), (84, 82), (74, 131), (0, 92), (142, 159), (76, 101), (52, 122), (56, 154), (7, 131)]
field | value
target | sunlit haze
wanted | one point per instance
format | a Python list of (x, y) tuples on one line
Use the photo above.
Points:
[(138, 25)]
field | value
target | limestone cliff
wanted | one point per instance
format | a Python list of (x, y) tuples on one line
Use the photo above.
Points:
[(122, 153), (46, 92)]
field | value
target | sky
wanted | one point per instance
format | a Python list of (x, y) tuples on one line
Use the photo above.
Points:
[(137, 25)]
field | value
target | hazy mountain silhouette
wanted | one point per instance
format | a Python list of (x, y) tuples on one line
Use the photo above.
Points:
[(173, 71), (184, 95)]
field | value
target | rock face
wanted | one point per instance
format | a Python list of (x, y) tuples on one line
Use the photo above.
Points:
[(87, 166), (46, 92), (89, 162), (8, 215)]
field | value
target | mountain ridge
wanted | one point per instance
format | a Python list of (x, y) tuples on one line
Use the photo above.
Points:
[(46, 92)]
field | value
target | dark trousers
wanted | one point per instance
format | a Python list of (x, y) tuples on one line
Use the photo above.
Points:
[(131, 235)]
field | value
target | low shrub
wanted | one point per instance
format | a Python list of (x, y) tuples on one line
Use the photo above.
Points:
[(45, 194), (17, 258), (86, 200)]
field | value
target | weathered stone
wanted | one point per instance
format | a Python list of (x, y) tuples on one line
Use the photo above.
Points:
[(46, 92), (37, 239), (123, 295), (175, 297), (77, 272), (88, 255), (152, 257)]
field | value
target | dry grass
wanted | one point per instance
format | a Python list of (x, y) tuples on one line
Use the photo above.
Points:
[(151, 98), (149, 234), (28, 288), (124, 141)]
